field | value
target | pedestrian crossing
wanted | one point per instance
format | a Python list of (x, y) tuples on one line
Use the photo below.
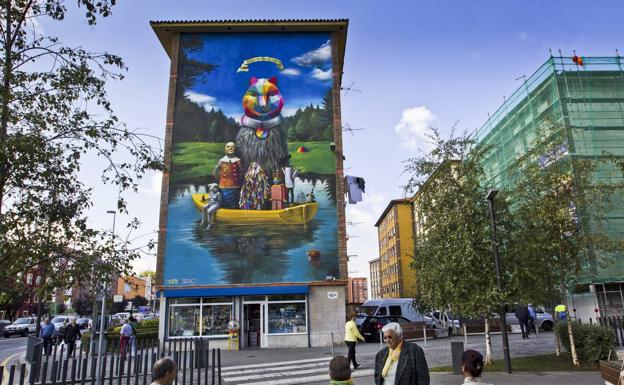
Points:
[(283, 373)]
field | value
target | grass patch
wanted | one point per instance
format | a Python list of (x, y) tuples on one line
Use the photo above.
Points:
[(539, 363), (197, 159)]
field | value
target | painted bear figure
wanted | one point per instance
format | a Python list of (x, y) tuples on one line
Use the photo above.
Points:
[(260, 138)]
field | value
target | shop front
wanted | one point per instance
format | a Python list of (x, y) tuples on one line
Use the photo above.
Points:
[(269, 317)]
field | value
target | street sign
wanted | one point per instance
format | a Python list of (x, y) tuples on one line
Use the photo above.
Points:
[(118, 298), (332, 294)]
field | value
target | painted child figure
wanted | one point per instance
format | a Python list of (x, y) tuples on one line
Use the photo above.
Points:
[(213, 203), (290, 174), (278, 192), (229, 173)]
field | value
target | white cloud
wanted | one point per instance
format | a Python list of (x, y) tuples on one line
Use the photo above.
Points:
[(523, 36), (363, 243), (315, 57), (321, 75), (412, 127), (155, 183), (291, 72), (206, 101)]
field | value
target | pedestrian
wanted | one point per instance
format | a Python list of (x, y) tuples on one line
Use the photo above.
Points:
[(125, 335), (72, 333), (522, 313), (400, 362), (532, 319), (340, 371), (472, 367), (46, 333), (352, 335), (164, 371), (61, 332)]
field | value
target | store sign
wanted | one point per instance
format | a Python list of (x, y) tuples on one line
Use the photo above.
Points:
[(332, 294), (252, 187), (118, 298)]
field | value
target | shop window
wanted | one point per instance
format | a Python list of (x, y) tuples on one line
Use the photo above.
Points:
[(184, 321), (287, 297), (215, 319), (287, 318), (219, 300), (185, 301), (254, 298)]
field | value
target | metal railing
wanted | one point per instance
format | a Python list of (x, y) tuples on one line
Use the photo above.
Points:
[(196, 362)]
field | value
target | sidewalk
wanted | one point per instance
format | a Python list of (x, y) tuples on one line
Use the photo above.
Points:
[(545, 378)]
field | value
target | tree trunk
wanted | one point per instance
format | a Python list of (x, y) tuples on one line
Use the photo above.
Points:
[(575, 360), (489, 359), (6, 93)]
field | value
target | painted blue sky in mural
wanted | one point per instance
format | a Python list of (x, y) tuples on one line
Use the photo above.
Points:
[(306, 77)]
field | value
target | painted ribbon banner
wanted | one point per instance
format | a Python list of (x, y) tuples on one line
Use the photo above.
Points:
[(245, 66)]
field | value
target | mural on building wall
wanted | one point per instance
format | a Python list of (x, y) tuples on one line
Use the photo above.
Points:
[(252, 194)]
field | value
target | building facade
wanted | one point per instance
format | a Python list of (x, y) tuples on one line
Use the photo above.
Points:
[(396, 250), (357, 290), (252, 225), (584, 99), (375, 278)]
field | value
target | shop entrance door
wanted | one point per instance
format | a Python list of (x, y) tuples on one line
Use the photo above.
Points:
[(255, 325)]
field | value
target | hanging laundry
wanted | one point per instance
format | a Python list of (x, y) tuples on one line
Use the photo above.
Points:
[(355, 188)]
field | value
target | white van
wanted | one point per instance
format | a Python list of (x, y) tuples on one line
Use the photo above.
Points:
[(403, 307)]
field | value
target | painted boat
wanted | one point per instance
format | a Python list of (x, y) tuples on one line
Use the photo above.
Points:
[(294, 215)]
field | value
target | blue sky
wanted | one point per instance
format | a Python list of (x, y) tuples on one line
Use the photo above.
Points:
[(417, 63), (305, 79)]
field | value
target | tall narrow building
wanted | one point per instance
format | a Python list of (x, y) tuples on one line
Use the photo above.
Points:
[(396, 250)]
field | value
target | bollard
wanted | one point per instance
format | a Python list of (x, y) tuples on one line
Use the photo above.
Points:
[(380, 339), (332, 343), (457, 349), (465, 336), (425, 335)]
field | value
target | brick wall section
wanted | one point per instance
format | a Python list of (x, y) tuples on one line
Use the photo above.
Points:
[(164, 192), (340, 201)]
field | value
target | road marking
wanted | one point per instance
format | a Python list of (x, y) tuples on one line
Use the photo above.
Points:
[(287, 367), (5, 377), (228, 368), (305, 380)]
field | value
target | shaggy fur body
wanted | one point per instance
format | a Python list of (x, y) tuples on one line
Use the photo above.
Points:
[(269, 153)]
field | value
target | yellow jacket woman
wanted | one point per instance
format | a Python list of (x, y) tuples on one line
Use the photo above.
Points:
[(352, 334)]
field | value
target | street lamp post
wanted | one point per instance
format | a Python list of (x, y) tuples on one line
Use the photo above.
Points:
[(104, 287), (503, 314)]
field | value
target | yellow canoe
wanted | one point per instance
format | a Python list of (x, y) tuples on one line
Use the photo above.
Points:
[(294, 215)]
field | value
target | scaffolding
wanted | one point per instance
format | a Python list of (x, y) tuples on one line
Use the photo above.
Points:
[(586, 100)]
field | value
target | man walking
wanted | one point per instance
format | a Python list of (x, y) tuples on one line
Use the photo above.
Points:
[(400, 362), (522, 313), (125, 335), (46, 333), (72, 333), (532, 319)]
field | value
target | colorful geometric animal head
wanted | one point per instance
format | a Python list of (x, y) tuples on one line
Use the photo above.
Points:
[(263, 100)]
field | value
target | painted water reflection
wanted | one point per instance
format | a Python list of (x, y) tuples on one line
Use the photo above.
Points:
[(250, 253)]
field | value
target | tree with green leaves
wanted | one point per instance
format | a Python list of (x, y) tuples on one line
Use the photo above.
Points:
[(560, 204), (453, 259), (54, 112)]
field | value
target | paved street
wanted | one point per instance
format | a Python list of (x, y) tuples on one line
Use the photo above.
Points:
[(298, 366), (11, 346)]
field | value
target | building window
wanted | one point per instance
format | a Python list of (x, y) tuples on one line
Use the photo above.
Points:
[(29, 278), (36, 298), (287, 318), (25, 313), (199, 316), (38, 280), (127, 288)]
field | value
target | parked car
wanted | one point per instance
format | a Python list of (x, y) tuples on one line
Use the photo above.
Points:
[(21, 326), (371, 325), (83, 323), (4, 323), (544, 320), (439, 319)]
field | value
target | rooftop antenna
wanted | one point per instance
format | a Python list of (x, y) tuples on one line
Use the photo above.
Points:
[(550, 52), (353, 223), (348, 89), (347, 127)]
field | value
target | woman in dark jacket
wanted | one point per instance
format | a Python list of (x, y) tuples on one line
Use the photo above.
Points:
[(72, 333)]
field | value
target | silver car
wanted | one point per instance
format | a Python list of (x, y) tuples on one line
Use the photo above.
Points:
[(544, 320), (21, 326)]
